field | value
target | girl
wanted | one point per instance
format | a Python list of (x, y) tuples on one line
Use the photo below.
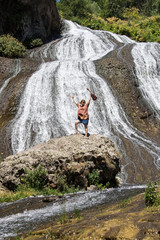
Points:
[(83, 116)]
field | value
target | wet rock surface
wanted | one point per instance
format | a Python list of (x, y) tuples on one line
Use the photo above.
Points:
[(117, 68), (73, 156)]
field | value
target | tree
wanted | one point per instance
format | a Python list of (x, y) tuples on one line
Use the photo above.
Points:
[(106, 8), (116, 8), (77, 8)]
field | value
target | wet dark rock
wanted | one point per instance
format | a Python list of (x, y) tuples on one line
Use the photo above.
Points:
[(72, 157), (27, 19)]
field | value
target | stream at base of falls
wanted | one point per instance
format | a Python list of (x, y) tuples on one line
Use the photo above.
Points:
[(28, 214)]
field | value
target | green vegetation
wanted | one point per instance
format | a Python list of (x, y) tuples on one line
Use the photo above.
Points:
[(11, 47), (125, 202), (24, 191), (36, 179), (152, 196), (102, 186), (106, 8), (138, 20), (62, 183), (0, 158), (76, 213), (33, 42), (64, 217), (36, 183), (77, 8), (94, 179)]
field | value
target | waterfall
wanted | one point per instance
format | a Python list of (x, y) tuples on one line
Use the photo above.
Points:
[(148, 76), (46, 109)]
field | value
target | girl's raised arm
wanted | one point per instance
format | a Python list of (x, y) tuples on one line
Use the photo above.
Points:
[(75, 101)]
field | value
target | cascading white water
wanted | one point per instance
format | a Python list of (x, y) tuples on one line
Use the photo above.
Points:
[(46, 109), (148, 76)]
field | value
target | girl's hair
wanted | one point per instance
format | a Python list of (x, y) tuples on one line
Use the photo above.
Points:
[(82, 102)]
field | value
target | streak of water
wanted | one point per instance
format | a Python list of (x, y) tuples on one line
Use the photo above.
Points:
[(17, 70), (148, 76)]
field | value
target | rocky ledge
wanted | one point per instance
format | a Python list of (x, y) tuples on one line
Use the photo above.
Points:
[(73, 156)]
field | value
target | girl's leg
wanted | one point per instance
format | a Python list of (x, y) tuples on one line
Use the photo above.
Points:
[(86, 129), (76, 126)]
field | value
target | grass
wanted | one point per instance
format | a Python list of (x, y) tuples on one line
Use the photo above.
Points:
[(124, 203), (64, 217), (76, 213), (25, 191)]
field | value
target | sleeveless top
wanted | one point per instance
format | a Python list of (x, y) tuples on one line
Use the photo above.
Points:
[(83, 112)]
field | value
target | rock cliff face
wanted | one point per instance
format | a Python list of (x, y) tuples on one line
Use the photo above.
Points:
[(73, 156), (26, 19)]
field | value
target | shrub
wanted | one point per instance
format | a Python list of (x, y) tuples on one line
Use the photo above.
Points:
[(62, 183), (101, 186), (11, 47), (93, 177), (36, 43), (33, 42), (151, 195), (131, 13), (36, 178)]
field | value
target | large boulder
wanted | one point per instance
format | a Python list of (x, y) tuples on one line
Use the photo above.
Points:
[(73, 156), (27, 19)]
